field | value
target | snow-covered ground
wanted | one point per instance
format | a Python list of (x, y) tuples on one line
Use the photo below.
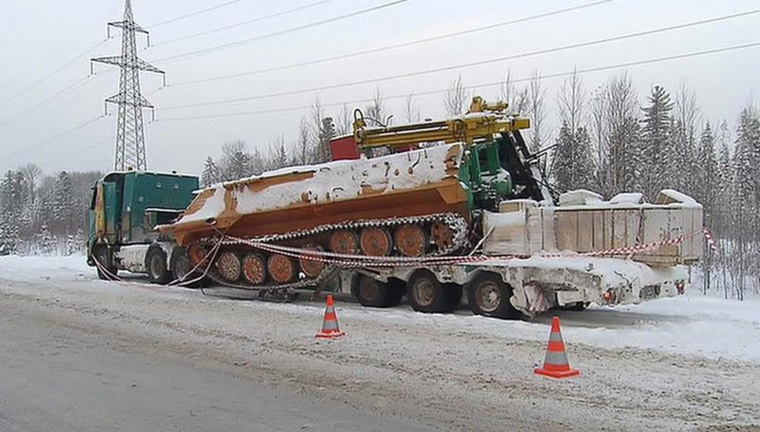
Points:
[(690, 324), (683, 363)]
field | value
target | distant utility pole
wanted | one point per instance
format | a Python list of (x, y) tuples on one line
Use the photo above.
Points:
[(130, 136)]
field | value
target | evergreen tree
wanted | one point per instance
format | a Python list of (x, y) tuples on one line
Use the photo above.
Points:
[(237, 162), (572, 167), (63, 206), (654, 140), (10, 210), (210, 174), (46, 241), (707, 178)]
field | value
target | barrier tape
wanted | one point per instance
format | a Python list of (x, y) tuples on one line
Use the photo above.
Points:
[(710, 240), (352, 260)]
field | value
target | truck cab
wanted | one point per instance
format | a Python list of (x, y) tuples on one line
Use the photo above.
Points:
[(124, 210)]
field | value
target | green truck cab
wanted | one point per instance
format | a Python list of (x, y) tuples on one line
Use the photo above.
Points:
[(124, 211)]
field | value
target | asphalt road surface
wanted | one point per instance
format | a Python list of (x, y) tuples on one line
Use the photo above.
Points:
[(60, 376)]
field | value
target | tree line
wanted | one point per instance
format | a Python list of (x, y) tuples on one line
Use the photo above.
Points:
[(44, 214)]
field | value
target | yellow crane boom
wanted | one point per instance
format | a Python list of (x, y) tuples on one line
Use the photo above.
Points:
[(482, 121)]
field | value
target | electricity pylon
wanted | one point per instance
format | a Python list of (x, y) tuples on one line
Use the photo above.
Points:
[(130, 136)]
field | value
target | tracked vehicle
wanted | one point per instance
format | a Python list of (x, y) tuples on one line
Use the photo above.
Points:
[(419, 201)]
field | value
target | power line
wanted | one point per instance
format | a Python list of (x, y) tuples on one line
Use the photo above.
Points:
[(51, 74), (192, 14), (226, 46), (56, 97), (467, 65), (251, 21), (395, 46), (475, 86), (77, 152), (52, 139)]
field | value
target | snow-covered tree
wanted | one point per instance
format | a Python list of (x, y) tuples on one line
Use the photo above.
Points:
[(654, 140), (210, 174)]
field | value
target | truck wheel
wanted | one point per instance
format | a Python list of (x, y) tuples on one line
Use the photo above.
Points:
[(453, 294), (155, 262), (425, 293), (104, 258), (370, 292), (489, 295)]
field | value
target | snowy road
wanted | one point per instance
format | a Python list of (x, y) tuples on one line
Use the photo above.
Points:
[(676, 364)]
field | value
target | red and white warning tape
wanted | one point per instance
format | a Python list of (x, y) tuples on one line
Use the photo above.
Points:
[(352, 260)]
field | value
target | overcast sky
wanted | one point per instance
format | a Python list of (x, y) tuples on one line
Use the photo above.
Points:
[(40, 36)]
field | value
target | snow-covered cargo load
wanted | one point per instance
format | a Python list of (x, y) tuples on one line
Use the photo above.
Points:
[(662, 234)]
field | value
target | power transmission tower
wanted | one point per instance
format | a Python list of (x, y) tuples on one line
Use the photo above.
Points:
[(130, 136)]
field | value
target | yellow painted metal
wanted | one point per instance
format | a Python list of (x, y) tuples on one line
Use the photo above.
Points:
[(481, 123)]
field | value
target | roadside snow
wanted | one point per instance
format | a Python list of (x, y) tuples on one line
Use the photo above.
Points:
[(689, 325)]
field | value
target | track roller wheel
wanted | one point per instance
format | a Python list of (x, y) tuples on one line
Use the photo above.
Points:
[(488, 294), (196, 252), (255, 269), (376, 241), (311, 265), (229, 265), (344, 242), (425, 293), (410, 240), (442, 235), (281, 269)]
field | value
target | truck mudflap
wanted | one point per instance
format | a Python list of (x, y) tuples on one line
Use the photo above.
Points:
[(540, 283)]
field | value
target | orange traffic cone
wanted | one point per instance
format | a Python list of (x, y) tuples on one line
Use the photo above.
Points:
[(330, 329), (555, 363)]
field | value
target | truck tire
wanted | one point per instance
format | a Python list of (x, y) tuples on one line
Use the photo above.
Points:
[(370, 292), (488, 295), (155, 263), (103, 256), (425, 293)]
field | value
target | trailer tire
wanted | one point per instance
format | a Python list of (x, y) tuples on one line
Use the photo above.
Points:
[(155, 263), (181, 267), (370, 292), (425, 293), (488, 295), (103, 256)]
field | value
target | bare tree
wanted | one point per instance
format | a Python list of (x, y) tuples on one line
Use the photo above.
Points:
[(304, 143), (375, 112), (456, 98), (344, 125), (599, 109), (411, 111), (572, 101), (517, 99), (31, 174), (537, 109)]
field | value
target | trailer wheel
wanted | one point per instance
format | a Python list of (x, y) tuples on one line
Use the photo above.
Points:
[(489, 295), (370, 292), (103, 256), (181, 267), (155, 262), (425, 293)]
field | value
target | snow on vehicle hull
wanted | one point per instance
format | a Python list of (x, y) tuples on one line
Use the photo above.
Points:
[(400, 185)]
